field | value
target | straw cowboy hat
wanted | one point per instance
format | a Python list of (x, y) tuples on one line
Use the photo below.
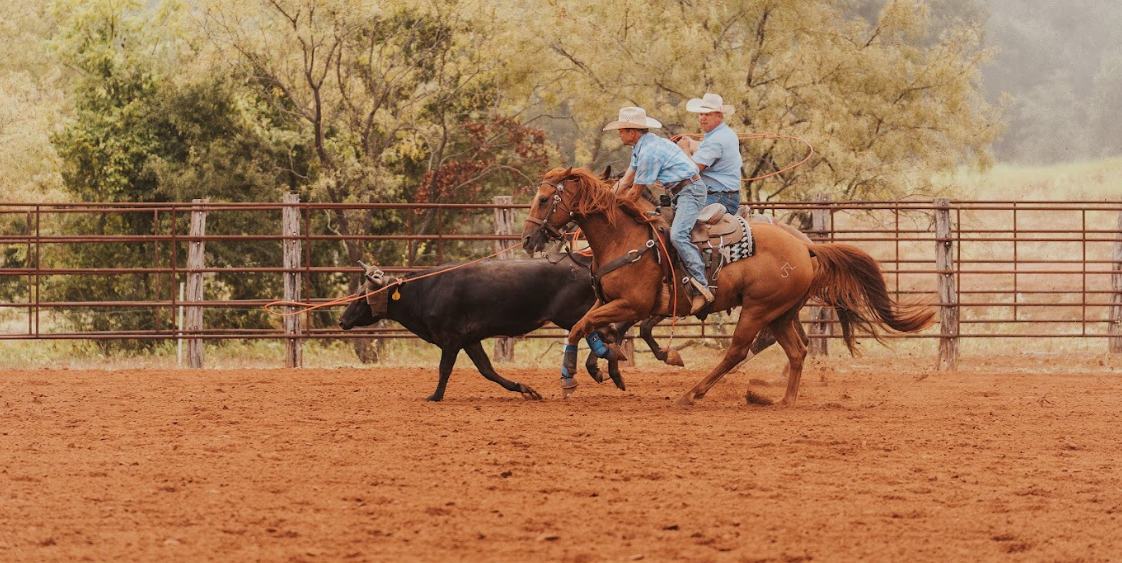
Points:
[(708, 103), (633, 118)]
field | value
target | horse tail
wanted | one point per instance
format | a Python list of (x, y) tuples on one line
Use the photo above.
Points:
[(850, 281)]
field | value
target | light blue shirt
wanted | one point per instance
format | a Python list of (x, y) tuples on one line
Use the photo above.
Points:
[(656, 159), (720, 153)]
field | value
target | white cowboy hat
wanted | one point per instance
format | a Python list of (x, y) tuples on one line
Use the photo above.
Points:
[(708, 103), (633, 118)]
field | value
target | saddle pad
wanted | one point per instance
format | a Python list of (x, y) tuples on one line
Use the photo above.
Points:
[(744, 248)]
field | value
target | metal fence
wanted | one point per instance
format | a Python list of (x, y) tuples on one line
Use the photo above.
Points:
[(1008, 269)]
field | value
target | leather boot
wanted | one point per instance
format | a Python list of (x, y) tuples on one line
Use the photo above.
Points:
[(701, 299)]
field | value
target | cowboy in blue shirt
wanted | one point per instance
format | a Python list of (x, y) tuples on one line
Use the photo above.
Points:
[(718, 154), (657, 160)]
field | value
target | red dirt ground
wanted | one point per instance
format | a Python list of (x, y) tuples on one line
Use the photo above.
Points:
[(351, 465)]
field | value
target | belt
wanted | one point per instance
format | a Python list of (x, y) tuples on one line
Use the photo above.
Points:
[(677, 186)]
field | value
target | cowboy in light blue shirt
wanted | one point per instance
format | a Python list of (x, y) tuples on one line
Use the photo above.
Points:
[(655, 159), (718, 154)]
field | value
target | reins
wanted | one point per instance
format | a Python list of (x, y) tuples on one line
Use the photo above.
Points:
[(396, 283)]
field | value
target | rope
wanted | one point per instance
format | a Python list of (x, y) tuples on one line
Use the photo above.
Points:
[(399, 282), (757, 136), (673, 282)]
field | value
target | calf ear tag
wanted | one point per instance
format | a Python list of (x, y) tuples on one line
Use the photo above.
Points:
[(396, 294)]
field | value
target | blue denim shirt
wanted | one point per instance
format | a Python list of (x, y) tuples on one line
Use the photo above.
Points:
[(656, 159), (720, 153)]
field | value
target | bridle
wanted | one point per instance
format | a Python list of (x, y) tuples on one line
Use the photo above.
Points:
[(544, 228)]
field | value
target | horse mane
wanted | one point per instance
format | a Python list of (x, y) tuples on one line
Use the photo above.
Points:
[(594, 195)]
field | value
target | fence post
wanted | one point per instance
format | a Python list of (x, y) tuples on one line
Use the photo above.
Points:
[(822, 223), (504, 225), (948, 295), (196, 260), (293, 324), (1116, 296)]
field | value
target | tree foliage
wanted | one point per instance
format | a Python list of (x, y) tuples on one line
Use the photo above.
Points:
[(878, 100), (398, 100), (33, 102), (143, 132)]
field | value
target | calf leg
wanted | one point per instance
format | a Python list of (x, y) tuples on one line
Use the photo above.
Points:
[(483, 364), (447, 362)]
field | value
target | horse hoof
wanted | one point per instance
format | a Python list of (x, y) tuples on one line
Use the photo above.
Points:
[(618, 380), (568, 386), (433, 398), (685, 400), (617, 354), (528, 393), (673, 358), (596, 376), (753, 399)]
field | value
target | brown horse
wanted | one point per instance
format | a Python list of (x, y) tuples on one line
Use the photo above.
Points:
[(769, 287)]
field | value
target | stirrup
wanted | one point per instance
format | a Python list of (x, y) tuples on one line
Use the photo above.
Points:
[(702, 290), (701, 299), (699, 304)]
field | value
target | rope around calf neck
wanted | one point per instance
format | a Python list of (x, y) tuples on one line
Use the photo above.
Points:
[(348, 299)]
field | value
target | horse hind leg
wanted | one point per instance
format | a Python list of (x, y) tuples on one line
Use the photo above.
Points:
[(483, 364), (790, 337), (747, 327)]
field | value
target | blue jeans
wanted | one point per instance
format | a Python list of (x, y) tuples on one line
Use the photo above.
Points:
[(731, 200), (687, 204)]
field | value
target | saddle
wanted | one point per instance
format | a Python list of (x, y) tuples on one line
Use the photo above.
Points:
[(721, 237), (715, 228)]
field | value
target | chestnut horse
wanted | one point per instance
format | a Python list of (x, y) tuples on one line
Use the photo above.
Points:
[(769, 287)]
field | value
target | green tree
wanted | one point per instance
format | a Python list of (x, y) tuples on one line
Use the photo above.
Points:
[(879, 101), (143, 131), (398, 101), (33, 102)]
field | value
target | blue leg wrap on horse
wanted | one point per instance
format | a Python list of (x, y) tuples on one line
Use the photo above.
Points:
[(597, 345), (569, 362)]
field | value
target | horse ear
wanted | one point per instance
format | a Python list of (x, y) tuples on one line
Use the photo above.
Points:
[(607, 175), (568, 172)]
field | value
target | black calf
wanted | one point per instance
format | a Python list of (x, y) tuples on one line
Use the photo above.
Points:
[(459, 308)]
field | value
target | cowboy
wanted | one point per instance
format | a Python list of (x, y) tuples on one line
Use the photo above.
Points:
[(655, 159), (718, 154)]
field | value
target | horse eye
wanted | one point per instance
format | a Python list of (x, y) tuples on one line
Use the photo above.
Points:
[(543, 200)]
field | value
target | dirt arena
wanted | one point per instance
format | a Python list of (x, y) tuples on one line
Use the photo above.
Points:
[(995, 463)]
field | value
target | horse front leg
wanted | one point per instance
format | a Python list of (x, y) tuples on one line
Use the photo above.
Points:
[(669, 356), (615, 311)]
